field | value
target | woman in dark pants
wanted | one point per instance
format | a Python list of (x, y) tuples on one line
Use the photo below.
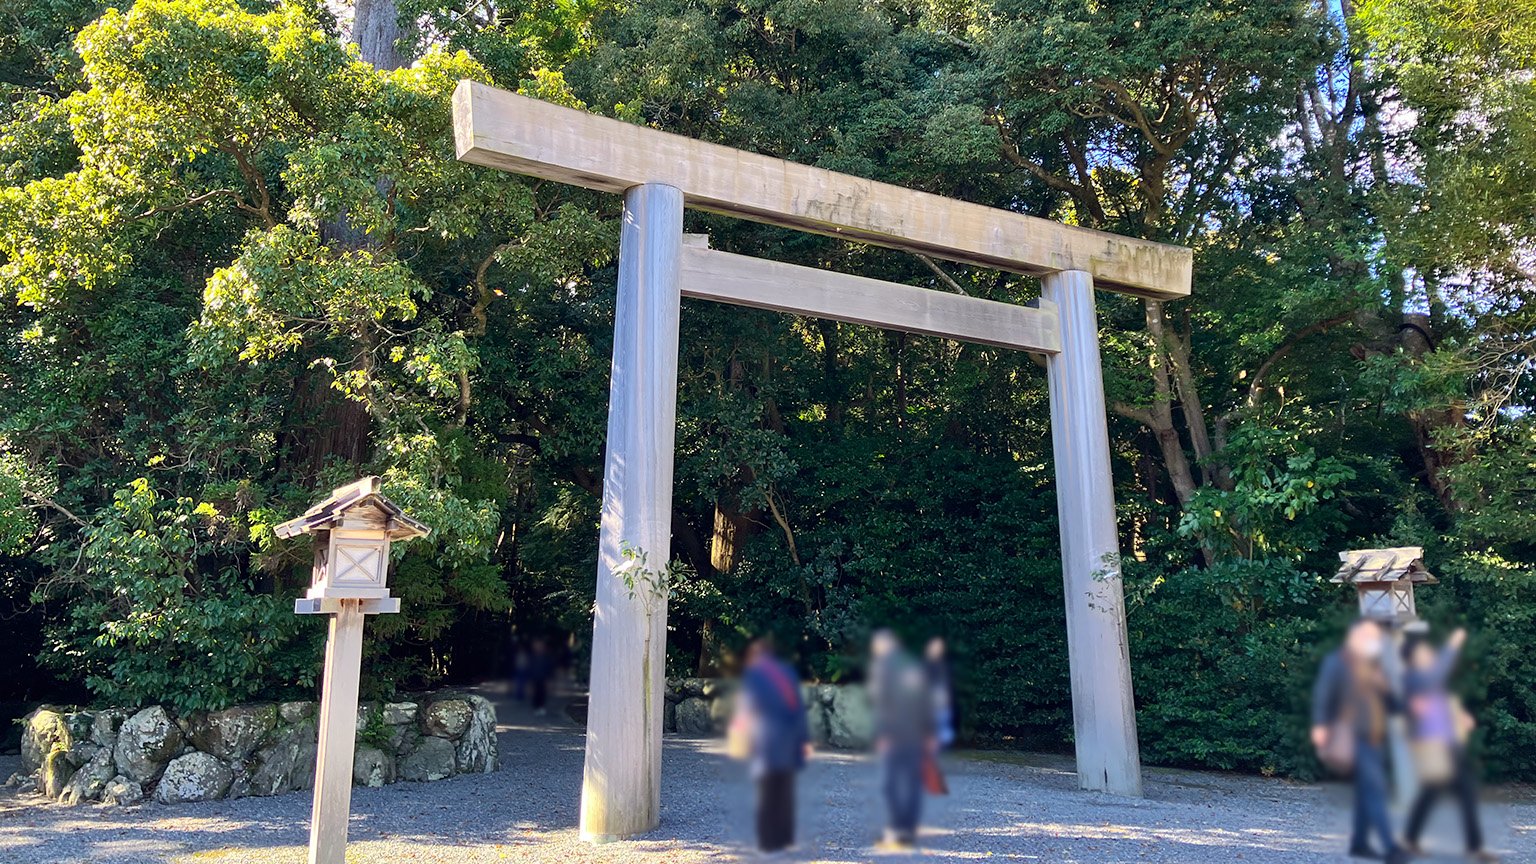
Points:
[(780, 740), (1351, 697), (1434, 715)]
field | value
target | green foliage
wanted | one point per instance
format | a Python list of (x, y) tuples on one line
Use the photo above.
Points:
[(375, 732), (151, 621), (254, 230), (1275, 507), (18, 523), (650, 584), (1465, 69), (1224, 658), (930, 541)]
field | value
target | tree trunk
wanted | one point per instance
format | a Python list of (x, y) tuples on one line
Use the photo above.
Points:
[(1188, 391), (375, 30), (1160, 416), (1418, 341), (322, 424), (732, 530), (342, 426)]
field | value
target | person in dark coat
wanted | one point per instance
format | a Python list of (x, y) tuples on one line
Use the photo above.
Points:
[(904, 733), (1352, 697), (540, 666), (1434, 716), (780, 737), (518, 665)]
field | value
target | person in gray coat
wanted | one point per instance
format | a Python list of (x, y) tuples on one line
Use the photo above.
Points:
[(904, 733)]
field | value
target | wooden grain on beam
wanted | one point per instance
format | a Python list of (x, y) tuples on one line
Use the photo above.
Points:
[(746, 281), (515, 133)]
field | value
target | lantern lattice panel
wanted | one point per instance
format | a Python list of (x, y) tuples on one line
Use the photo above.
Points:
[(358, 564)]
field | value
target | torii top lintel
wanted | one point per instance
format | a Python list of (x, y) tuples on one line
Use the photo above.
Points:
[(515, 133)]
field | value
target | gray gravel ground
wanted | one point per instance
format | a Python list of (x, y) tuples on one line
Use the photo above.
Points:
[(1002, 807)]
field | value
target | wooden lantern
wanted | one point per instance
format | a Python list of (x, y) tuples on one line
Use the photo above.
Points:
[(353, 529), (1384, 580)]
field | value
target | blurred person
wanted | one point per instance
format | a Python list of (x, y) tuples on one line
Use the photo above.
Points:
[(1350, 705), (519, 648), (904, 734), (941, 688), (772, 715), (1439, 740), (539, 667)]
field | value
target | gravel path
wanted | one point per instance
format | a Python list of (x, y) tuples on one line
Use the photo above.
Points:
[(1002, 807)]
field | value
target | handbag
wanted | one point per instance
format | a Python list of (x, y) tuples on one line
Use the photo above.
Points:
[(738, 737), (1463, 721), (933, 776), (1338, 752), (1432, 764)]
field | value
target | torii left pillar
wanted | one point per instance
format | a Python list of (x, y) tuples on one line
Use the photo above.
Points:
[(621, 785)]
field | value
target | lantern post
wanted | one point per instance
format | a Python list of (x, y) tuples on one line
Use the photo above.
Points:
[(353, 529)]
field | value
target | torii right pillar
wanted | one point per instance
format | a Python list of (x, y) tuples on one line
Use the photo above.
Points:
[(1103, 707)]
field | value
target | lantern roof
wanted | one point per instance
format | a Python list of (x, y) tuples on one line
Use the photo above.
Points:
[(362, 493), (1364, 566)]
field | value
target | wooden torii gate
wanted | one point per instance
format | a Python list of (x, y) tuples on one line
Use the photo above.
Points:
[(659, 174)]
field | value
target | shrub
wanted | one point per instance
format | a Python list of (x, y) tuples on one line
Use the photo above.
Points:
[(161, 612)]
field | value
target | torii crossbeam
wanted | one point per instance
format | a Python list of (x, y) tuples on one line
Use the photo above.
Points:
[(659, 174)]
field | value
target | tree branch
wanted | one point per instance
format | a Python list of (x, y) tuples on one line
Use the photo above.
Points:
[(1012, 154), (1131, 412), (45, 501), (483, 290), (943, 277), (1089, 195), (1285, 348), (263, 206), (196, 200), (783, 523)]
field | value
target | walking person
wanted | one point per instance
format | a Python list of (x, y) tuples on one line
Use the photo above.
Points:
[(904, 734), (1439, 729), (771, 714), (1350, 704)]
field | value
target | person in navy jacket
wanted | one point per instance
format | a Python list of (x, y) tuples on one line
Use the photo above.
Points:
[(772, 706)]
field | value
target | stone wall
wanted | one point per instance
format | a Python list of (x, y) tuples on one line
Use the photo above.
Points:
[(840, 715), (119, 758)]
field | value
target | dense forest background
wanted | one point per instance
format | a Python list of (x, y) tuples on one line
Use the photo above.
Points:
[(241, 266)]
